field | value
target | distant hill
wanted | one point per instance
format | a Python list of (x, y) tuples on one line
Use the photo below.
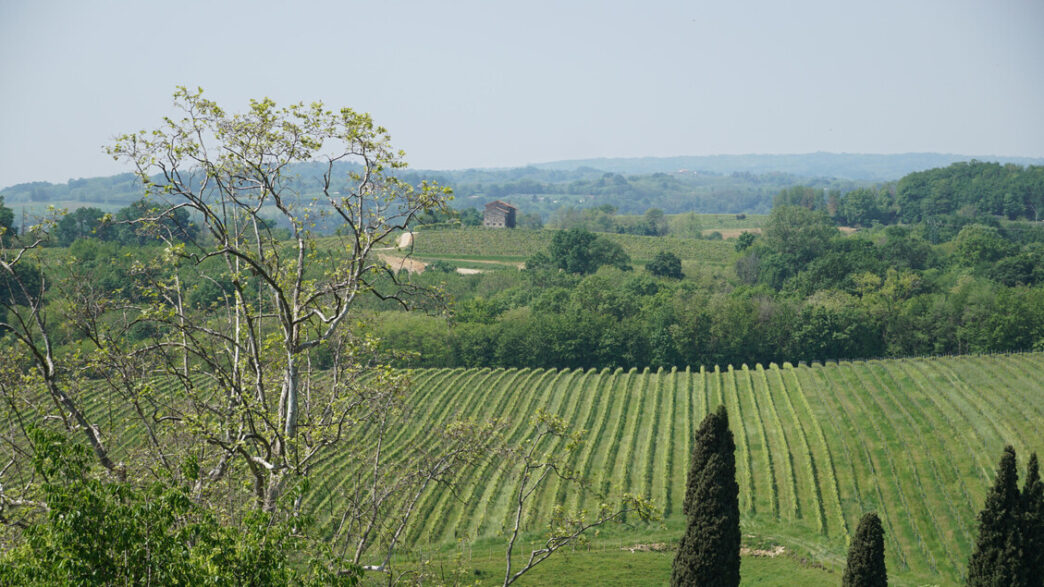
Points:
[(854, 166), (715, 184)]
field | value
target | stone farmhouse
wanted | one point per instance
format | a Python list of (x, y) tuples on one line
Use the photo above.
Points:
[(499, 215)]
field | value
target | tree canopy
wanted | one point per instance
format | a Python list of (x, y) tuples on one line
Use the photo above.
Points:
[(709, 553), (866, 556)]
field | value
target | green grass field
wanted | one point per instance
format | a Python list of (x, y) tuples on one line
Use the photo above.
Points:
[(916, 440), (518, 244)]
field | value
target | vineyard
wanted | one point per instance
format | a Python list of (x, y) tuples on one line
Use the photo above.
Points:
[(916, 440), (518, 244)]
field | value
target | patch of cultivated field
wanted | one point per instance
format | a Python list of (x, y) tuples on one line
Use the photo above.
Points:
[(916, 440), (518, 244)]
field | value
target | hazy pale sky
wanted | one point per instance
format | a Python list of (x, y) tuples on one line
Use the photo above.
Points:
[(483, 84)]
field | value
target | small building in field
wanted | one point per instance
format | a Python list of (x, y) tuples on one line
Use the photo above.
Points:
[(499, 215)]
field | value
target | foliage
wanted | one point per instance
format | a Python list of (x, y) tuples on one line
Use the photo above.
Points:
[(802, 196), (997, 559), (866, 555), (744, 241), (665, 264), (225, 168), (204, 341), (709, 553), (470, 217), (7, 230), (1032, 523), (797, 232), (441, 266), (984, 188), (582, 252), (98, 531), (140, 223), (977, 244)]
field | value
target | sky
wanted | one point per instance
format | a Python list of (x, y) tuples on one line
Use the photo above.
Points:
[(504, 84)]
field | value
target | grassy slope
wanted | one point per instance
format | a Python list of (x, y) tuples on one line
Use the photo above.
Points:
[(916, 440), (518, 244)]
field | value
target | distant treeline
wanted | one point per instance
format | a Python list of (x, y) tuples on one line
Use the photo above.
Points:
[(535, 191), (805, 293), (964, 192)]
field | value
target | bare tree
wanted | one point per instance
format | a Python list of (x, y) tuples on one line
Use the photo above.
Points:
[(245, 389)]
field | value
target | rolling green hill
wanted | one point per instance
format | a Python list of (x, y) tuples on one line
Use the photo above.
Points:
[(917, 440)]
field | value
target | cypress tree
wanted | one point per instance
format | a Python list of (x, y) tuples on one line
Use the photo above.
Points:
[(709, 550), (997, 559), (1033, 524), (866, 560)]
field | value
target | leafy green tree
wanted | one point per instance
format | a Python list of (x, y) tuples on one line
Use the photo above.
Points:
[(7, 231), (571, 250), (82, 223), (579, 251), (250, 408), (803, 196), (532, 221), (709, 553), (866, 556), (798, 232), (1033, 524), (665, 264), (978, 244), (101, 531), (470, 217), (606, 252), (997, 559), (655, 222), (744, 241), (145, 222)]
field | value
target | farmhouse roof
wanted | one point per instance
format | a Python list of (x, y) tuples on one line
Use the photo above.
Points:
[(500, 204)]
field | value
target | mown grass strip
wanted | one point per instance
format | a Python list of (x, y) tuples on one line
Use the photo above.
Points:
[(651, 435), (985, 402), (600, 409), (870, 470), (336, 473), (770, 467), (494, 504), (573, 394), (745, 474), (616, 436), (667, 444), (832, 485), (473, 508), (437, 497), (956, 412), (892, 472), (1015, 409), (933, 492), (682, 442), (806, 452)]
